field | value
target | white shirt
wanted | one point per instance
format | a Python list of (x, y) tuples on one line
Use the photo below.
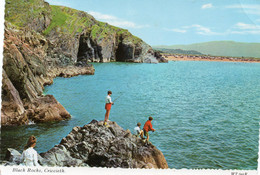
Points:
[(29, 157), (108, 99), (137, 130)]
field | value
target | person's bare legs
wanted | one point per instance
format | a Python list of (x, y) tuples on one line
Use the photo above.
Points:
[(142, 134), (147, 139), (107, 116), (108, 112)]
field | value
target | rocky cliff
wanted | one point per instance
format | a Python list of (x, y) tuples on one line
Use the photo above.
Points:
[(96, 145), (42, 42)]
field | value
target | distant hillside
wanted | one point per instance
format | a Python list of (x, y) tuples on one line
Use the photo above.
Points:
[(221, 48), (178, 51)]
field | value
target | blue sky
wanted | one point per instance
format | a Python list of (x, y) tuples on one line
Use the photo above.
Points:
[(169, 22)]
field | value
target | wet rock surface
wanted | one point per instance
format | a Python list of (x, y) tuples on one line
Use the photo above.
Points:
[(96, 145)]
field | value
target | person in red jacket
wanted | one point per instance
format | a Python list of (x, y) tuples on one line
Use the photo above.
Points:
[(148, 127)]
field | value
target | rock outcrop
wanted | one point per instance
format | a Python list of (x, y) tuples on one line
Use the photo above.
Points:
[(50, 41), (96, 145), (25, 72)]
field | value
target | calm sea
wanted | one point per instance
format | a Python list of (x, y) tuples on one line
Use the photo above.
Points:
[(206, 114)]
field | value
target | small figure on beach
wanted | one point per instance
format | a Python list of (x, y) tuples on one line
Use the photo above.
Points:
[(29, 156), (148, 127), (138, 131), (109, 103)]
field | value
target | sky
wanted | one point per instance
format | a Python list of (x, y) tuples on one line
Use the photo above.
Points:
[(170, 22)]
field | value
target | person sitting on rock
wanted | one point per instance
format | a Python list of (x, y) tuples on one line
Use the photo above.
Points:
[(29, 156), (138, 131), (148, 127)]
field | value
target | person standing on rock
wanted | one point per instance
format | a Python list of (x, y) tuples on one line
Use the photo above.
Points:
[(109, 103), (29, 156), (148, 127)]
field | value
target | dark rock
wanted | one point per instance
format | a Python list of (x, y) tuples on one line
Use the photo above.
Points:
[(59, 156), (99, 146), (13, 156), (48, 109), (159, 57), (96, 146), (93, 122)]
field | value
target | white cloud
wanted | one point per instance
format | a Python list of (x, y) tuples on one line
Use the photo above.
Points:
[(253, 9), (199, 29), (202, 30), (242, 28), (57, 2), (253, 32), (102, 16), (206, 6), (245, 6), (177, 30), (241, 25), (239, 28), (113, 20)]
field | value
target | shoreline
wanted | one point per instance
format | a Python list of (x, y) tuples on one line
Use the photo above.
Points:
[(185, 58)]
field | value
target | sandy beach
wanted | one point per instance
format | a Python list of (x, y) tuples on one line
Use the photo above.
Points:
[(225, 59)]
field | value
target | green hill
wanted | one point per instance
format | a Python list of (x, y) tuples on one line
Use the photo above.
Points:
[(221, 48), (178, 51)]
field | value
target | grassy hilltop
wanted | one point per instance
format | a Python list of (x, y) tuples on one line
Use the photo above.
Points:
[(61, 19)]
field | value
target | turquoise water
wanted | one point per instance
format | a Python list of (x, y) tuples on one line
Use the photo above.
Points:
[(206, 114)]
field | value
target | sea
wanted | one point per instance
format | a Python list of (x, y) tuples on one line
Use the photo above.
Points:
[(206, 114)]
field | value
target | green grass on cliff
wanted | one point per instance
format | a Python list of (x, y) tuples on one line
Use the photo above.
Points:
[(63, 20), (68, 20), (22, 12)]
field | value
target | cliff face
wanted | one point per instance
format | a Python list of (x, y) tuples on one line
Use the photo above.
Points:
[(85, 39), (96, 145), (48, 41)]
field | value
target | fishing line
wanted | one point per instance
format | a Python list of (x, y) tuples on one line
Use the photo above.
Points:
[(118, 96)]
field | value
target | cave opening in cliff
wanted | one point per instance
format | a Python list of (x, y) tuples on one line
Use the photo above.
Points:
[(120, 50), (85, 51), (89, 51)]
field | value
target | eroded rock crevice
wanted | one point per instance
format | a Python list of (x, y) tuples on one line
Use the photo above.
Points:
[(88, 51)]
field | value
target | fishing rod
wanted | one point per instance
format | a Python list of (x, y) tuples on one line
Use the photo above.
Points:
[(118, 97)]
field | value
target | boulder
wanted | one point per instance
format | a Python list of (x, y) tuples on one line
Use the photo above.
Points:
[(96, 145), (13, 156), (46, 109), (101, 146)]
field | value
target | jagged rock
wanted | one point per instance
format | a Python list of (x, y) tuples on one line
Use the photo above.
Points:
[(12, 105), (25, 72), (13, 156), (101, 146), (159, 57), (59, 156), (48, 109), (96, 145)]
